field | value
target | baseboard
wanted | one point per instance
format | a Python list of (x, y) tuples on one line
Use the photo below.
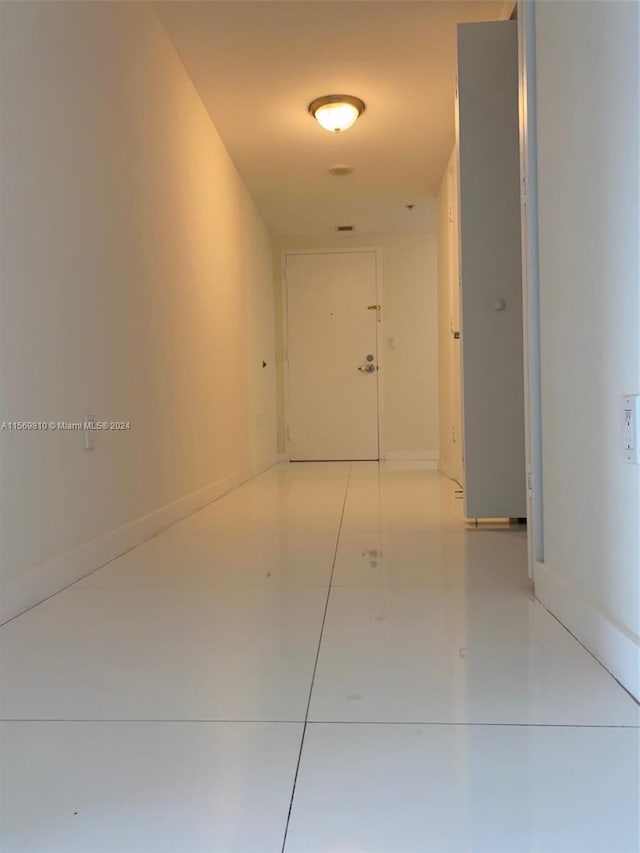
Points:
[(616, 649), (445, 469), (424, 456), (34, 585)]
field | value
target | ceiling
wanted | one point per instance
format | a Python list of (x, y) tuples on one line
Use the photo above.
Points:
[(257, 65)]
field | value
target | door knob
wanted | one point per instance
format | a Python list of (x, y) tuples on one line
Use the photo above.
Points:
[(367, 368)]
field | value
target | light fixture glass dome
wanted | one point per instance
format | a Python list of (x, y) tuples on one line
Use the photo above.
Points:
[(336, 112)]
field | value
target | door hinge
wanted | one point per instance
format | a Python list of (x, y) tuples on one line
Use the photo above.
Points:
[(530, 483)]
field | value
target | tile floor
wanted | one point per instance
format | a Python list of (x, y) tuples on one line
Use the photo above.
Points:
[(323, 660)]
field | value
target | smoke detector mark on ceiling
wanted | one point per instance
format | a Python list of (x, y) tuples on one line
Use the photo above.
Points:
[(341, 169)]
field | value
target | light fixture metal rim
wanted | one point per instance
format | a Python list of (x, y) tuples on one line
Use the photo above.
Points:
[(324, 100)]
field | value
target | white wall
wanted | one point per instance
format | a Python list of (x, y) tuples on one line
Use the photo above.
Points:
[(588, 151), (136, 284), (409, 314)]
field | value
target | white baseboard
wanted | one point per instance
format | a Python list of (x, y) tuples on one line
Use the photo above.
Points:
[(615, 648), (444, 469), (31, 586), (425, 456)]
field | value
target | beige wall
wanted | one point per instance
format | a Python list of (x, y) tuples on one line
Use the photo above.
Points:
[(136, 284), (589, 221), (409, 300)]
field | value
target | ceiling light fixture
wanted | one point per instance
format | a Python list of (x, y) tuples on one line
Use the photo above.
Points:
[(336, 112)]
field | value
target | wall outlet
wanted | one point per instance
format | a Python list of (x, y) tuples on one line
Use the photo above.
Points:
[(630, 411)]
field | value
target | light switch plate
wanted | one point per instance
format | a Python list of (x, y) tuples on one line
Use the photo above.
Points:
[(630, 411)]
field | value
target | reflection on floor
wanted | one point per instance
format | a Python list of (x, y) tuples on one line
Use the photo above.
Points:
[(323, 660)]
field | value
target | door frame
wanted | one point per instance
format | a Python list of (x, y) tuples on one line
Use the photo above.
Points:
[(455, 296), (285, 253), (530, 281)]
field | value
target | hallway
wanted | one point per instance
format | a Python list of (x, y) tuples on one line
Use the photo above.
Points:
[(160, 704)]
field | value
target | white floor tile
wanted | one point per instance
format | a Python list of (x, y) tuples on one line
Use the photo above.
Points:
[(279, 529), (448, 655), (146, 787), (302, 495), (465, 558), (270, 557), (396, 496), (219, 619), (234, 654), (416, 789)]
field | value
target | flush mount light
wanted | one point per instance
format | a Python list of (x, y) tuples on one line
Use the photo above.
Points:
[(336, 112)]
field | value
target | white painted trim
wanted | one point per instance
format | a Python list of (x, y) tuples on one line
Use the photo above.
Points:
[(379, 352), (37, 583), (616, 649), (284, 308), (507, 9), (379, 331), (445, 469), (530, 279)]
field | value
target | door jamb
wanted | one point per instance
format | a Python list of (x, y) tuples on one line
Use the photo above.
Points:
[(530, 279), (379, 333)]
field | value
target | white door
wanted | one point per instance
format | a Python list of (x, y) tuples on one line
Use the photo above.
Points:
[(332, 406)]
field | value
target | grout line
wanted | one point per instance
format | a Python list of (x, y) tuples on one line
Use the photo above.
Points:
[(138, 544), (76, 581), (179, 721), (315, 665), (580, 643), (425, 723), (444, 724)]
